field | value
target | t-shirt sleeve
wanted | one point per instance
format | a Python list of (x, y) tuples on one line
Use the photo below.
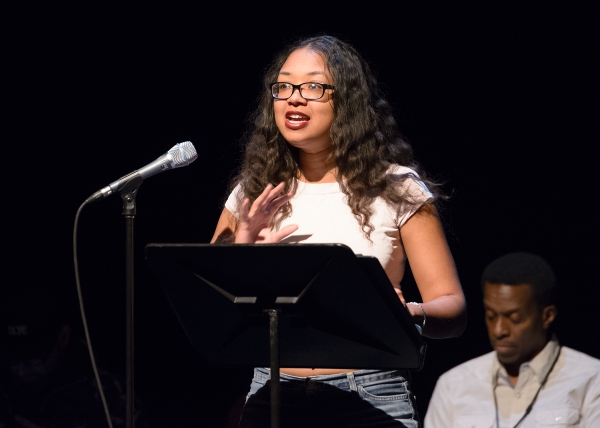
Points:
[(232, 202), (414, 190)]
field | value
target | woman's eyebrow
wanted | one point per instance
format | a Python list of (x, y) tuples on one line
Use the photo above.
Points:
[(311, 73)]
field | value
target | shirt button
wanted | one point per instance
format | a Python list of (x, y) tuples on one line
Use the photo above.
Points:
[(518, 395)]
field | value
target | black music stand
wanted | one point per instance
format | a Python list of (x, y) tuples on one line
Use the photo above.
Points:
[(287, 305)]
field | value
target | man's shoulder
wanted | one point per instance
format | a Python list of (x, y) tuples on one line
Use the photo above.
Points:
[(580, 361), (478, 367)]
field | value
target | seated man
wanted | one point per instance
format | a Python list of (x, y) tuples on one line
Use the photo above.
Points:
[(529, 380)]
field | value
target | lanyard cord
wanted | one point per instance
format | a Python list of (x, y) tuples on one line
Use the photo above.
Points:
[(534, 397)]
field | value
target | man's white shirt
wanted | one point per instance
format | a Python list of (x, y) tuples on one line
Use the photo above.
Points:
[(464, 395)]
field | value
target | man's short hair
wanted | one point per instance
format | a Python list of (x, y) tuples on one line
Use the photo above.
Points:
[(524, 268)]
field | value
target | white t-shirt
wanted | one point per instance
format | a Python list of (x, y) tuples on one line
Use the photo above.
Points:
[(323, 216)]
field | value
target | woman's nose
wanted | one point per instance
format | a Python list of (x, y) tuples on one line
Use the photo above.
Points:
[(296, 98)]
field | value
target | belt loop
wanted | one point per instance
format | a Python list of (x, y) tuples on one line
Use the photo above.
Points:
[(351, 381)]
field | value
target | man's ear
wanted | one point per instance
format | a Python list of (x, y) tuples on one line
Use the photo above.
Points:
[(548, 315)]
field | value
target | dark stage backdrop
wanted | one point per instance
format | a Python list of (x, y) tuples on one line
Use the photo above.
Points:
[(499, 102)]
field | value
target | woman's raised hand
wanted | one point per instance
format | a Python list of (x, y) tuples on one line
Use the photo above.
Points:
[(255, 219)]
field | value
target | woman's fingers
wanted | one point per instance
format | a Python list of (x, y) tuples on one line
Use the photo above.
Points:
[(277, 202), (400, 295), (245, 210), (284, 232), (256, 217), (269, 201), (270, 204), (264, 197)]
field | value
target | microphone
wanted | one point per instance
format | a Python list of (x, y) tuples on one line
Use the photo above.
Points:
[(181, 154)]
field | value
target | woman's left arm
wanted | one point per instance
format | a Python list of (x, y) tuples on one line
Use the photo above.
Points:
[(435, 273)]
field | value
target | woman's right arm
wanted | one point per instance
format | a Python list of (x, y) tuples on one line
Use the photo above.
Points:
[(224, 231)]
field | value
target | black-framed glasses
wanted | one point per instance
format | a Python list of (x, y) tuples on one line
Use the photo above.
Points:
[(308, 90)]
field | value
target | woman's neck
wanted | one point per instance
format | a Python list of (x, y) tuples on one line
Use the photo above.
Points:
[(317, 167)]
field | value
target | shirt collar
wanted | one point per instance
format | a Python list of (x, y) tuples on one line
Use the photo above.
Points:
[(542, 362)]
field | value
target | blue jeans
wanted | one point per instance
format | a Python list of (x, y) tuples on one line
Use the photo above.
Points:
[(364, 398)]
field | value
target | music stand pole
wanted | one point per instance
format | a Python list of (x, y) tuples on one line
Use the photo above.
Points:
[(274, 342)]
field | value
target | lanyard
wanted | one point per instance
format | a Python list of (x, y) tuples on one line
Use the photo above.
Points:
[(534, 397)]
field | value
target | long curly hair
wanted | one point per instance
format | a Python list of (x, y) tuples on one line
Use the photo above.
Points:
[(365, 135)]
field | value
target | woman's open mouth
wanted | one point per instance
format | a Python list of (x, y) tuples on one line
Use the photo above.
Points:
[(295, 120)]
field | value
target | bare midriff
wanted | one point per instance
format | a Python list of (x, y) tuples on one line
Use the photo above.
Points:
[(313, 372)]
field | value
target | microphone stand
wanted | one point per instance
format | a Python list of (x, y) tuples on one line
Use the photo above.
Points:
[(128, 194)]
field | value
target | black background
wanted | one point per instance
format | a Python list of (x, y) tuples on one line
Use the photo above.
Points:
[(499, 101)]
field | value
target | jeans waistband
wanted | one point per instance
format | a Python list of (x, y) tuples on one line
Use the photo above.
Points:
[(358, 377)]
